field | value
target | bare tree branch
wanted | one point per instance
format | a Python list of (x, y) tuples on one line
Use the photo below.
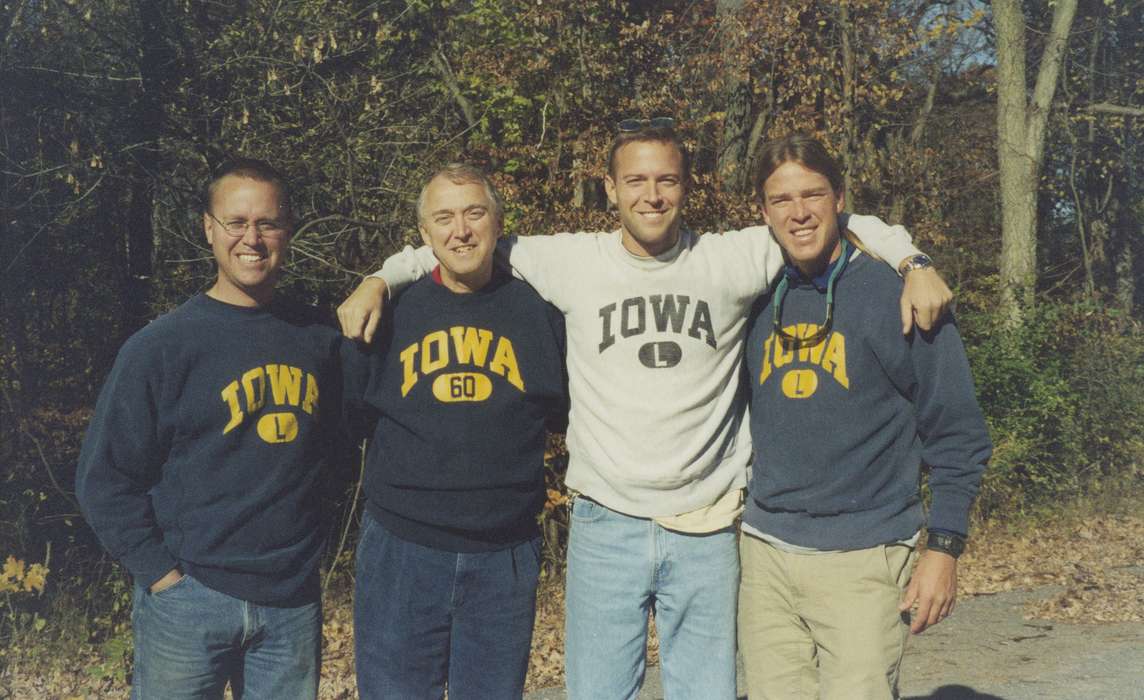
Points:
[(89, 76), (450, 79), (1106, 108)]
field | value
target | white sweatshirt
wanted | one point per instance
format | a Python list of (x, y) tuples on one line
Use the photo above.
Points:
[(657, 425)]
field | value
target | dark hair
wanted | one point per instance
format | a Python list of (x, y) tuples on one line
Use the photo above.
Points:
[(463, 174), (804, 150), (665, 135), (251, 169)]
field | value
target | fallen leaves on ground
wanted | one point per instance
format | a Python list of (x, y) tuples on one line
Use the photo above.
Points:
[(546, 662), (1097, 559), (337, 682)]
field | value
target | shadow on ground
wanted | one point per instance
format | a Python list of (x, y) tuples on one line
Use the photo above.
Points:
[(955, 692)]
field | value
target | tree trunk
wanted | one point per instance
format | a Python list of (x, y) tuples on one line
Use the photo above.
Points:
[(13, 342), (158, 68), (907, 148), (734, 168), (1128, 228), (759, 128), (850, 145), (1125, 290), (1021, 144)]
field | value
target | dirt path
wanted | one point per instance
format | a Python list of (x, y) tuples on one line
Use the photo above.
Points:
[(988, 649)]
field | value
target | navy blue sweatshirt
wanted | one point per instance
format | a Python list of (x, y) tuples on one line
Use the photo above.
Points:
[(464, 386), (205, 446), (840, 430)]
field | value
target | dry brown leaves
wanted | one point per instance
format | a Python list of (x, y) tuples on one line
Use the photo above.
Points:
[(1097, 559), (546, 662), (337, 680), (34, 676)]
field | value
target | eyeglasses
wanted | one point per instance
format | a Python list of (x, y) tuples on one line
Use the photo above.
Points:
[(629, 125), (238, 227), (796, 342)]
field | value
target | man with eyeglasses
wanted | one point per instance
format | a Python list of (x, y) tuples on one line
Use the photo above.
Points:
[(657, 440), (843, 412), (199, 471)]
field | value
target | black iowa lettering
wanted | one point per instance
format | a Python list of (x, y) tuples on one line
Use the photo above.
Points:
[(669, 313)]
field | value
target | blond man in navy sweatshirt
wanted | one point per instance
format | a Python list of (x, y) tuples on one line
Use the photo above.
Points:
[(199, 471), (843, 413)]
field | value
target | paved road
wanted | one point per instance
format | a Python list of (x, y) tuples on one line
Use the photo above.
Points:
[(986, 650)]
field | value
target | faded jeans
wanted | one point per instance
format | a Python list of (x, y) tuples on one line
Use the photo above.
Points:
[(190, 640), (621, 568)]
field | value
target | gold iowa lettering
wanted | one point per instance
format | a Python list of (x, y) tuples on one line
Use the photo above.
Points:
[(461, 345), (288, 387), (798, 383)]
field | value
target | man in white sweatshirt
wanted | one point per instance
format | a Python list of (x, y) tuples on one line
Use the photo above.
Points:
[(658, 446)]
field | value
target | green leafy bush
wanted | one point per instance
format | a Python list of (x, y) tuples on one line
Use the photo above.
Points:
[(1062, 399)]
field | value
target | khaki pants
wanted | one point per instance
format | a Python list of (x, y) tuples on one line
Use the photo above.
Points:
[(822, 625)]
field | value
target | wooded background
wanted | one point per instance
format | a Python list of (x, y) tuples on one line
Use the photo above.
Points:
[(1008, 137)]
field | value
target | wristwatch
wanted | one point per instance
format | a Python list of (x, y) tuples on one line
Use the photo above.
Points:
[(915, 262), (946, 542)]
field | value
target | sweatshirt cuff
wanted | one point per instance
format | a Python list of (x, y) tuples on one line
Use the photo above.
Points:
[(901, 248), (950, 511), (892, 244), (380, 275), (403, 269)]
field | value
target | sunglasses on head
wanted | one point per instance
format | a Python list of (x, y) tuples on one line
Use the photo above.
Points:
[(630, 125)]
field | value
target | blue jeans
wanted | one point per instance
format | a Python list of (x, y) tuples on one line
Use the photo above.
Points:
[(191, 640), (620, 568), (424, 616)]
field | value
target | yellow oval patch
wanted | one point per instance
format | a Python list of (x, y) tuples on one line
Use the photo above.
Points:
[(278, 427), (800, 383), (462, 386)]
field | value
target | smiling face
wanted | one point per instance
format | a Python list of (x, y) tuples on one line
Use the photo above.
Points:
[(647, 187), (802, 209), (459, 222), (248, 263)]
